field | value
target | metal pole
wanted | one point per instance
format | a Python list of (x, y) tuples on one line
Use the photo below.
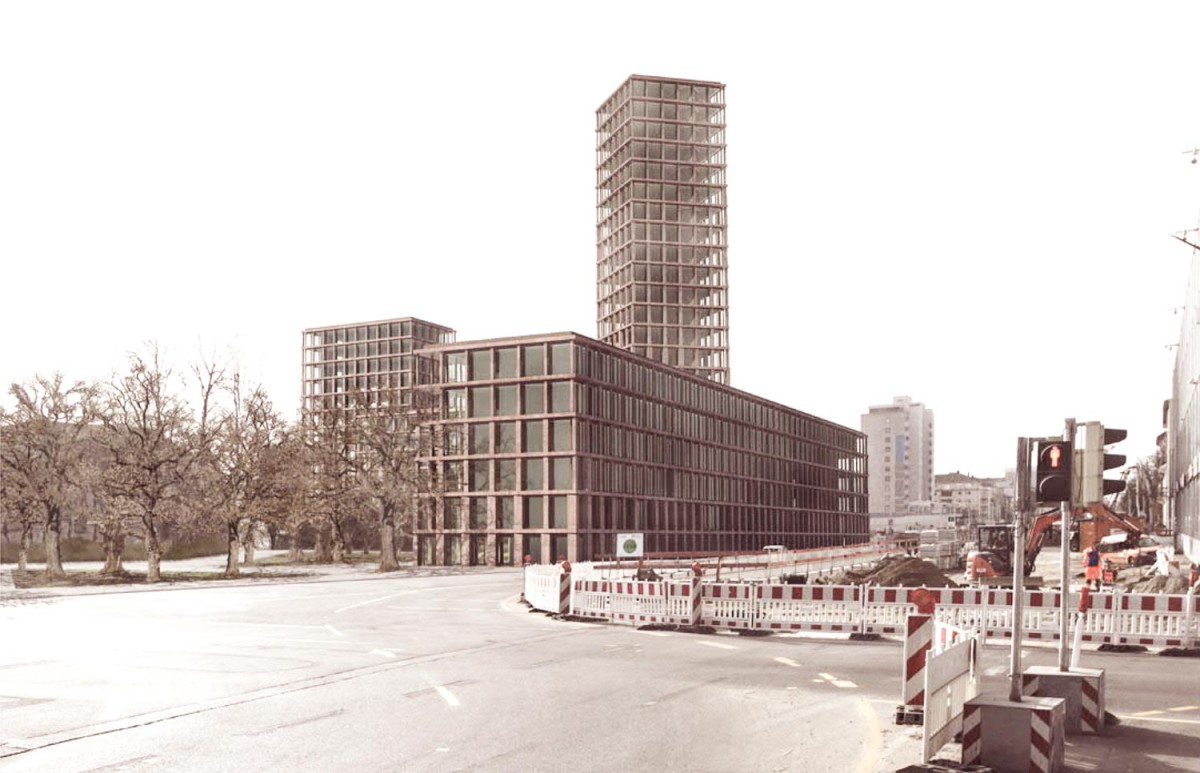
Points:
[(1064, 529), (1014, 666)]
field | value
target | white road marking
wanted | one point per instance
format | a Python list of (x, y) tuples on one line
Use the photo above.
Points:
[(334, 631), (787, 662), (373, 601), (660, 634), (717, 644), (384, 653), (442, 749), (827, 677), (447, 696), (1143, 718), (1184, 708), (845, 685)]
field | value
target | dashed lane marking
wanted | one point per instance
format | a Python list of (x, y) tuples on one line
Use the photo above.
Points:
[(334, 631), (717, 644), (787, 662), (1184, 708), (844, 684), (659, 634), (447, 696)]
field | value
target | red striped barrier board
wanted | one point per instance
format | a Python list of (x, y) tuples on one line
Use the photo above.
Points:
[(825, 608), (728, 605), (918, 641), (1038, 747)]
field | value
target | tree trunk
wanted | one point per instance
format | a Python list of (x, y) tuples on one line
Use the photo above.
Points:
[(231, 556), (322, 550), (23, 549), (153, 553), (387, 548), (54, 567), (114, 546), (387, 541), (339, 545), (248, 544), (295, 554)]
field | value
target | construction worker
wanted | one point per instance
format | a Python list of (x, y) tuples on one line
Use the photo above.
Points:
[(1091, 565)]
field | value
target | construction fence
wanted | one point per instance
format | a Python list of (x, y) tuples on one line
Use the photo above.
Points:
[(1115, 616)]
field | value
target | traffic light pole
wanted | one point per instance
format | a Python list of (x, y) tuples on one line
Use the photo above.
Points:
[(1024, 498), (1064, 530)]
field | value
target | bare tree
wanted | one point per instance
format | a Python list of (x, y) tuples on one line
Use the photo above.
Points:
[(44, 447), (388, 436), (20, 509), (249, 469), (150, 441), (332, 442)]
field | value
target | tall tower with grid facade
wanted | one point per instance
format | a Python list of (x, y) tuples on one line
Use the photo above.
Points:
[(661, 265)]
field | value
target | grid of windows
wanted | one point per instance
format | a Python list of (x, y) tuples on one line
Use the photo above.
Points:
[(600, 441), (367, 362), (661, 286)]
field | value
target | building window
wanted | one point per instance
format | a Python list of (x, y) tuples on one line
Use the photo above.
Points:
[(560, 472), (456, 366), (532, 440), (481, 401), (560, 397), (560, 359), (506, 437), (533, 360), (506, 475), (481, 365), (479, 513), (505, 513), (534, 474), (506, 363), (560, 435), (558, 512), (535, 398), (534, 515), (506, 401), (481, 438)]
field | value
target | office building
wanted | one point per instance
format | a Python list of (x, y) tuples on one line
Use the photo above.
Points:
[(900, 448), (554, 444), (661, 265), (365, 362)]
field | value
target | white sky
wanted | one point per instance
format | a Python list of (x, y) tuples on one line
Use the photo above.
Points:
[(920, 194)]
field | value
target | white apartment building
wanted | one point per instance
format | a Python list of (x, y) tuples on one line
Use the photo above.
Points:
[(975, 500), (899, 455)]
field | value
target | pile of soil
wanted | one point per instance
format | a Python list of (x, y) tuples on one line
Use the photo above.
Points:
[(894, 571), (1156, 583)]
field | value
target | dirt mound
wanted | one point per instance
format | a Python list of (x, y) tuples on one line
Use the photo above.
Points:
[(1158, 584), (895, 571)]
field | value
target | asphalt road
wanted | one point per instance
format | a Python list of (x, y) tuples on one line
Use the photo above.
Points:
[(452, 673)]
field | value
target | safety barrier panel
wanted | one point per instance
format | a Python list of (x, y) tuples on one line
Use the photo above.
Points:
[(1114, 617), (825, 608), (950, 681)]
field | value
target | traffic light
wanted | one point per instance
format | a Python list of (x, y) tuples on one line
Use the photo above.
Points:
[(1091, 485), (1053, 480)]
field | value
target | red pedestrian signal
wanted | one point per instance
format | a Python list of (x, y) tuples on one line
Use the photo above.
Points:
[(1053, 479)]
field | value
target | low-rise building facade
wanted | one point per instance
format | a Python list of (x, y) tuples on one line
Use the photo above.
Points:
[(550, 446)]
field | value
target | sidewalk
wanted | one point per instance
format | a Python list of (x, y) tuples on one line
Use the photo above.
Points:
[(251, 574)]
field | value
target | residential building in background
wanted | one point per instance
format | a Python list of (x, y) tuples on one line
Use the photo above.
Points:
[(363, 362), (973, 501), (661, 282), (900, 453), (554, 444), (1182, 478)]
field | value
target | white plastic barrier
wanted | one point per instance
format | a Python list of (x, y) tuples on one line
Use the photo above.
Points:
[(542, 586), (1165, 620), (826, 608), (728, 605), (950, 682)]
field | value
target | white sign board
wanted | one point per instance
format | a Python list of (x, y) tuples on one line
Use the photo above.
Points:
[(629, 545)]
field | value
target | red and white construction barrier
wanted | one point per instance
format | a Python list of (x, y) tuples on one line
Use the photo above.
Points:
[(918, 640), (825, 608)]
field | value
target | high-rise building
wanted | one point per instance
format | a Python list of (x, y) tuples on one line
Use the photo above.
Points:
[(366, 362), (900, 455), (661, 266), (1181, 478)]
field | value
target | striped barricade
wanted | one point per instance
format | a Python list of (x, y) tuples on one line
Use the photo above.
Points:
[(728, 605), (638, 602), (918, 641), (592, 598), (827, 608), (683, 601), (1091, 695), (1156, 619)]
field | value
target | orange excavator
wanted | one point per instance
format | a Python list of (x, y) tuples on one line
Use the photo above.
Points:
[(990, 563)]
